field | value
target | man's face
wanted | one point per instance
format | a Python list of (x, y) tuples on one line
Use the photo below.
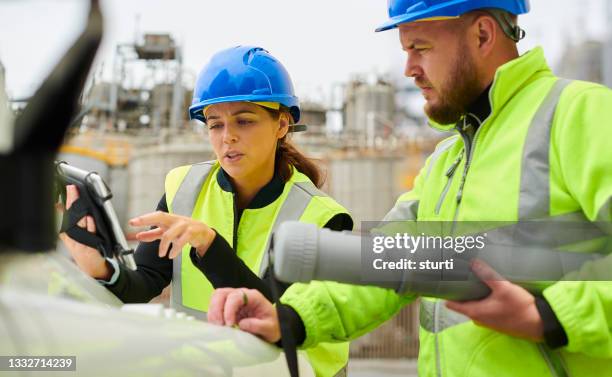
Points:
[(442, 65)]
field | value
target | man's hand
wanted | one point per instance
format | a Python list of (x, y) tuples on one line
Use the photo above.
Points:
[(176, 230), (509, 309), (248, 309)]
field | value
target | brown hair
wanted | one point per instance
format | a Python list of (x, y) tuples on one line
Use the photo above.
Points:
[(289, 157)]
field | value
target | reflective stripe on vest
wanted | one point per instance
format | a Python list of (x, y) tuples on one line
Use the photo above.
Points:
[(403, 211), (189, 190), (534, 199), (434, 318), (292, 208), (556, 231), (183, 204)]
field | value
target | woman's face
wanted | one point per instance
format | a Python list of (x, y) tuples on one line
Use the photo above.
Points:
[(244, 137)]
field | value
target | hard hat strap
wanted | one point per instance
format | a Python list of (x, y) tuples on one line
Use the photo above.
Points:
[(504, 20)]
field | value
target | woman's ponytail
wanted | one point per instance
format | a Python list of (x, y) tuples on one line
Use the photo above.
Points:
[(287, 155)]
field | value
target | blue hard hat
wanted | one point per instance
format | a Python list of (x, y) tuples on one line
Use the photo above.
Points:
[(402, 11), (243, 73)]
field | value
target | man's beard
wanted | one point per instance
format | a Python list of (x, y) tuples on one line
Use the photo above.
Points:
[(458, 92)]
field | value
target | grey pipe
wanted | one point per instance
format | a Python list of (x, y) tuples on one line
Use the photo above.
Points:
[(302, 252)]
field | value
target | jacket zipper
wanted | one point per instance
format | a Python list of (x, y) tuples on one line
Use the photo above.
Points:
[(470, 146), (449, 174), (469, 151)]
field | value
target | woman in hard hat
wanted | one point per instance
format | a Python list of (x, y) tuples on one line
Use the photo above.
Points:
[(214, 222)]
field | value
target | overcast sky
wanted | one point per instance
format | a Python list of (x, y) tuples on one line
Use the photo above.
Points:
[(321, 42)]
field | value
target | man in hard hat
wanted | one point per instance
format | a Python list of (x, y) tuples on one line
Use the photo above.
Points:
[(526, 146)]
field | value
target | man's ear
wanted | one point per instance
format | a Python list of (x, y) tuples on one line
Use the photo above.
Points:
[(487, 33)]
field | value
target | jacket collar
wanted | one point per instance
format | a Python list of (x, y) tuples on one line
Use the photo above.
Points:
[(480, 109), (509, 79), (268, 193)]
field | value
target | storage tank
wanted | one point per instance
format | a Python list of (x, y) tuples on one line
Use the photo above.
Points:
[(314, 115), (369, 109)]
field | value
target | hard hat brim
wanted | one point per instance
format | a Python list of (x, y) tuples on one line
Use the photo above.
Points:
[(421, 15), (292, 102)]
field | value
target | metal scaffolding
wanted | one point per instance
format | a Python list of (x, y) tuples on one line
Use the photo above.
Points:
[(146, 89)]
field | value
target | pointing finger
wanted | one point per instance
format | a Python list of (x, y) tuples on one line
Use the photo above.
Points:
[(159, 218), (150, 235)]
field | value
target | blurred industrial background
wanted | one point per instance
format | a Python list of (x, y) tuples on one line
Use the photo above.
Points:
[(368, 133)]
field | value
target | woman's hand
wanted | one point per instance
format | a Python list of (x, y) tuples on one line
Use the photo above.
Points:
[(176, 230), (248, 309), (87, 258)]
